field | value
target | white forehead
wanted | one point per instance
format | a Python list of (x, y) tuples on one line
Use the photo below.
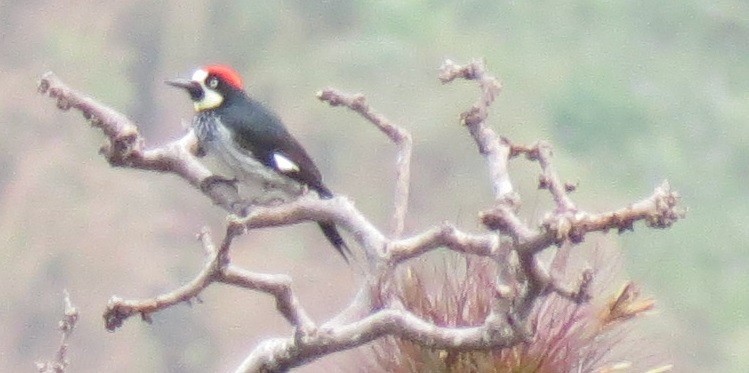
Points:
[(199, 75)]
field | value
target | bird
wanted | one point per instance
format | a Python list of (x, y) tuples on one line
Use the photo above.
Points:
[(251, 140)]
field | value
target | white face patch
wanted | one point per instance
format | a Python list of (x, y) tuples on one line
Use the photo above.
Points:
[(199, 75), (284, 164), (211, 99)]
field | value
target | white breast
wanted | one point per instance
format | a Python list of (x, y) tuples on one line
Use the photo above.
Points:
[(245, 168)]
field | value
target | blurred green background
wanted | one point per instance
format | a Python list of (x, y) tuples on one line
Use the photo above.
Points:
[(629, 92)]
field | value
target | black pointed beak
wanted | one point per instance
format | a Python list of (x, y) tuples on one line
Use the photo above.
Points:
[(192, 87)]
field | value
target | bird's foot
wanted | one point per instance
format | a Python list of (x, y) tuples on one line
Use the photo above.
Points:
[(210, 182), (243, 207), (268, 201), (200, 151)]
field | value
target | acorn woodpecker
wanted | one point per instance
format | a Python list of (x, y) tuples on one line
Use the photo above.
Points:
[(251, 140)]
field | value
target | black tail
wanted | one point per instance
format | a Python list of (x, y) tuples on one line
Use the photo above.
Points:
[(329, 229), (331, 233)]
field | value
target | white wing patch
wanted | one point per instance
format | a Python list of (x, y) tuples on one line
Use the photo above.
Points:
[(284, 164)]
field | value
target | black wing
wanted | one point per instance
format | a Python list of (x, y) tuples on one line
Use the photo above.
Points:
[(263, 134)]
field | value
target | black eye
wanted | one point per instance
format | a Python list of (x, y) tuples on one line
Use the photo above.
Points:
[(212, 82)]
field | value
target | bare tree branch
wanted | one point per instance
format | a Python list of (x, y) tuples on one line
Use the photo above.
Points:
[(489, 143), (445, 236), (66, 326), (541, 152), (563, 224), (659, 210), (217, 268), (512, 243), (398, 135), (283, 354), (126, 147)]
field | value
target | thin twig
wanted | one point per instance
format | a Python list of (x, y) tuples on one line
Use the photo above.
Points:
[(541, 152), (397, 135), (66, 326), (218, 268), (445, 236), (489, 143)]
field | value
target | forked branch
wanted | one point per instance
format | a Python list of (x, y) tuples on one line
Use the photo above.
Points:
[(398, 135), (509, 235), (126, 146), (66, 326)]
